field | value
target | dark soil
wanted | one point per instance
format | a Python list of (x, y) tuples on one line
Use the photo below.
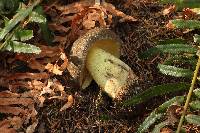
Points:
[(91, 114)]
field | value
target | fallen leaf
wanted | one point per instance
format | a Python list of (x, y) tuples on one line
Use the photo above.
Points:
[(41, 99), (110, 8), (8, 94), (47, 89), (166, 130), (53, 68), (12, 110), (169, 10), (58, 27), (170, 25), (70, 101), (32, 127), (14, 101), (188, 14), (35, 76), (5, 127), (16, 122), (173, 114)]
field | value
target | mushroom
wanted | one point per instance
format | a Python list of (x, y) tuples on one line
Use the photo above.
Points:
[(95, 55)]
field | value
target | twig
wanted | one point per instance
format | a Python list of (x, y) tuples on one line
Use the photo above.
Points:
[(189, 96)]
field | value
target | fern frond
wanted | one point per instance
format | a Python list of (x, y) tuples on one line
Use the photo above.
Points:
[(186, 24), (183, 3), (36, 17), (176, 48), (150, 120), (21, 15), (193, 119), (195, 105), (22, 35), (196, 38), (20, 47), (169, 48), (156, 91), (157, 113), (174, 71), (197, 92)]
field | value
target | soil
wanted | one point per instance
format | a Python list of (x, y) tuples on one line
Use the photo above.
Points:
[(93, 114), (96, 112)]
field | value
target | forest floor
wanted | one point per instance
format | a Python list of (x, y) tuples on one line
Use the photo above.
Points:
[(88, 113)]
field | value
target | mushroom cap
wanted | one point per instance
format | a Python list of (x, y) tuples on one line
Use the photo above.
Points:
[(97, 37)]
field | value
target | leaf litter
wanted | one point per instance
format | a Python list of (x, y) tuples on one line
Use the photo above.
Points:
[(22, 92)]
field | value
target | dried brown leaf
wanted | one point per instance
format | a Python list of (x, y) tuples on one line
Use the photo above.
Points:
[(58, 86), (35, 84), (166, 130), (16, 122), (110, 8), (12, 110), (33, 64), (13, 101), (65, 63), (47, 51), (58, 27), (32, 127), (35, 76), (74, 7), (8, 94), (173, 114), (70, 101), (53, 68), (41, 99), (169, 10), (170, 25), (5, 127), (89, 24)]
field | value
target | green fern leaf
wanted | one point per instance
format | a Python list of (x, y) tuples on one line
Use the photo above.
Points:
[(196, 38), (186, 24), (151, 119), (197, 92), (182, 59), (159, 126), (157, 113), (46, 33), (36, 17), (195, 105), (176, 48), (183, 3), (149, 53), (174, 71), (22, 35), (193, 119), (173, 46), (21, 15), (178, 99), (172, 41), (20, 47), (156, 91), (8, 6)]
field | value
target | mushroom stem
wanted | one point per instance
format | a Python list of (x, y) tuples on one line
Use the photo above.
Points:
[(109, 72)]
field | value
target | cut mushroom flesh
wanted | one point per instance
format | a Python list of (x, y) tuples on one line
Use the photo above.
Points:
[(109, 72), (98, 53)]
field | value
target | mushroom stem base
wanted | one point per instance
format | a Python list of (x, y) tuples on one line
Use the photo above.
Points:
[(109, 72)]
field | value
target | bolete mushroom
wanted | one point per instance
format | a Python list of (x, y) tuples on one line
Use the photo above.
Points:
[(95, 55)]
